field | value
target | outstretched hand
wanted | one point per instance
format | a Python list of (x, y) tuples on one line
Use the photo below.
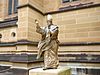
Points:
[(36, 21)]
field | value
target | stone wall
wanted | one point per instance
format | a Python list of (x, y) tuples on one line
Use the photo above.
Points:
[(8, 50), (26, 21), (75, 26), (54, 5), (80, 50), (33, 15), (37, 4), (50, 5), (26, 24), (79, 25), (2, 8), (7, 34)]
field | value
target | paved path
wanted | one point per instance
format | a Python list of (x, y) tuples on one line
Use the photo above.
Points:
[(15, 72)]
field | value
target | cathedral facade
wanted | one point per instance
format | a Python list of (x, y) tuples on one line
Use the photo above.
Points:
[(79, 32)]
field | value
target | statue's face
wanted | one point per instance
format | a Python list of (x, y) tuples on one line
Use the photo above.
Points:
[(49, 22)]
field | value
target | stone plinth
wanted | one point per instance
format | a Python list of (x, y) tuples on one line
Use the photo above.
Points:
[(59, 71)]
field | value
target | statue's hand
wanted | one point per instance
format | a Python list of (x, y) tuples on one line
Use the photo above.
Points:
[(37, 24), (36, 21)]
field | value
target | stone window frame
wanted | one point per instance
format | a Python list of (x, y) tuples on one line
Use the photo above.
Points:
[(13, 5), (75, 3)]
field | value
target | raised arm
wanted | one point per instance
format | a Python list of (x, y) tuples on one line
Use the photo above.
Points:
[(38, 28)]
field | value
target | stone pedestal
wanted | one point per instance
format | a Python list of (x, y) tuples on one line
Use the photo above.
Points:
[(59, 71)]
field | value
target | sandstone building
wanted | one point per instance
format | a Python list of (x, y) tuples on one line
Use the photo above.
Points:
[(79, 32)]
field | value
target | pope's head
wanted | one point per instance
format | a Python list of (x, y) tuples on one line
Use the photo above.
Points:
[(49, 19)]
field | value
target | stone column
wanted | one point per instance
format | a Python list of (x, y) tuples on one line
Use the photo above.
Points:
[(28, 11)]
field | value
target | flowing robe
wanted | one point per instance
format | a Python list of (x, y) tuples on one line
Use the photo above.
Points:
[(48, 46)]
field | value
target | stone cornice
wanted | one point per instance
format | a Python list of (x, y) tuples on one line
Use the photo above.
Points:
[(7, 44), (63, 9), (30, 6), (10, 19), (35, 43), (79, 43), (19, 42), (26, 42), (10, 22), (31, 58)]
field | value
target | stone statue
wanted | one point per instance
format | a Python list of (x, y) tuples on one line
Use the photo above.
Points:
[(48, 46)]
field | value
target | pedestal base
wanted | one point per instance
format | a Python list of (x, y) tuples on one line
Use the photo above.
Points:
[(59, 71)]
